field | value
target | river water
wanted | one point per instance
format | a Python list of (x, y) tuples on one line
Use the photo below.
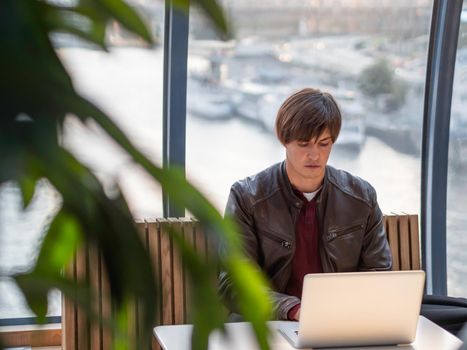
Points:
[(127, 84)]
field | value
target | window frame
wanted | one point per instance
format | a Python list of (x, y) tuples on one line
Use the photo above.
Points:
[(439, 82)]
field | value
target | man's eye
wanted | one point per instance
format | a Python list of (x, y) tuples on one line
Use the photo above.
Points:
[(324, 144), (303, 144)]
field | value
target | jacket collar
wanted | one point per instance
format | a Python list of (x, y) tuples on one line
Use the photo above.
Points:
[(291, 197)]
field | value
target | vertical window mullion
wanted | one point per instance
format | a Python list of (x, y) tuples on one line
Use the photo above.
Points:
[(438, 95), (174, 90)]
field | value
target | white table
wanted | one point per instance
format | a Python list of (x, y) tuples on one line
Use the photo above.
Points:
[(429, 337)]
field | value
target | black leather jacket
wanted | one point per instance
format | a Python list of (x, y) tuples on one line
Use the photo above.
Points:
[(350, 224)]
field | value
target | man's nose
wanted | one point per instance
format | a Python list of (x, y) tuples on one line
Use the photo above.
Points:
[(313, 155)]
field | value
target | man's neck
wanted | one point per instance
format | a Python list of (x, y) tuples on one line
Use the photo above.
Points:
[(307, 187), (303, 185)]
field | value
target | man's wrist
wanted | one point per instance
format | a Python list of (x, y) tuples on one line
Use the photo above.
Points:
[(291, 315)]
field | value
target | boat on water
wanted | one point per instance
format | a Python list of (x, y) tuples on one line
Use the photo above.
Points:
[(214, 106), (210, 101)]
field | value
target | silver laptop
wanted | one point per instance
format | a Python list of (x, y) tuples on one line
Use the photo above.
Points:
[(357, 309)]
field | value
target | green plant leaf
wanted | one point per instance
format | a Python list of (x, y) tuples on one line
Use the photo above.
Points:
[(127, 17), (11, 155), (86, 23), (33, 72), (35, 286), (35, 290), (183, 5), (212, 10), (60, 244), (27, 185), (57, 249), (216, 15), (250, 286)]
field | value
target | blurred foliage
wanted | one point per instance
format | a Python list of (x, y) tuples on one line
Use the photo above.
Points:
[(37, 95), (378, 81), (398, 95)]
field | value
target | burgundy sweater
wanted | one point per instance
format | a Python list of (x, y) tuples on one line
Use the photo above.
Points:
[(306, 259)]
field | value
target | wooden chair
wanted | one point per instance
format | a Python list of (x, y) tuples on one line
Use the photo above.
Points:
[(77, 333)]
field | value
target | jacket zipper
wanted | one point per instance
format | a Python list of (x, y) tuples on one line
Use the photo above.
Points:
[(338, 232), (283, 242)]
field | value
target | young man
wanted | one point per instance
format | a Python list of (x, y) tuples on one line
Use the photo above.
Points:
[(302, 216)]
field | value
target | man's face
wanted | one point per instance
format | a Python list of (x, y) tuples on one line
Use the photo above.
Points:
[(306, 161)]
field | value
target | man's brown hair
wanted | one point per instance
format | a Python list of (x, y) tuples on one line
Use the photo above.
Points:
[(306, 115)]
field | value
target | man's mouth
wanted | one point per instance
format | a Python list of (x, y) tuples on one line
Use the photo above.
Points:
[(312, 166)]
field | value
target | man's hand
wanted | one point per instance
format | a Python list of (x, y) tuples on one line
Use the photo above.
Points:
[(296, 316)]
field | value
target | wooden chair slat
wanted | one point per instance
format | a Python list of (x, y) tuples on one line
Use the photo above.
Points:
[(166, 273), (188, 233), (404, 242), (178, 283), (82, 325), (154, 242), (154, 246), (393, 238), (414, 242), (138, 309), (200, 240), (69, 313), (106, 306), (94, 279)]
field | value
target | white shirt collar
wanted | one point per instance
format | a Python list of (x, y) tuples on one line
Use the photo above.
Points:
[(310, 195)]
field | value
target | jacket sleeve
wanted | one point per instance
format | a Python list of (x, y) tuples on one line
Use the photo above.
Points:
[(376, 254), (241, 213)]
